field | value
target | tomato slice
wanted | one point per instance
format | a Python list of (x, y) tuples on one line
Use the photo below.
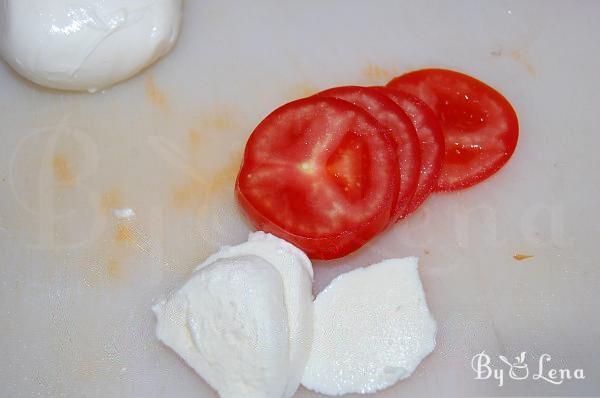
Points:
[(392, 117), (480, 126), (320, 173), (431, 141)]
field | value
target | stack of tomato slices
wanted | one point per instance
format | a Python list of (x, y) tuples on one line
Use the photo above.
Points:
[(329, 172)]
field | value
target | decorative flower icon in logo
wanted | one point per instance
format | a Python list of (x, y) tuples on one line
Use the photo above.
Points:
[(517, 370)]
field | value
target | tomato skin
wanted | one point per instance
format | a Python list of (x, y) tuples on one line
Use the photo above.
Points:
[(431, 139), (480, 126), (394, 119), (308, 206)]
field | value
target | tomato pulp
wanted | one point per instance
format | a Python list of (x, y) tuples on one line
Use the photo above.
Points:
[(431, 144), (480, 126), (320, 173), (394, 119)]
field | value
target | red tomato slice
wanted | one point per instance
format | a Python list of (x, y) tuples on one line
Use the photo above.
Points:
[(320, 173), (431, 140), (480, 126), (392, 117)]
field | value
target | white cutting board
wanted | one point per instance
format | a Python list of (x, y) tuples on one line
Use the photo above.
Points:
[(76, 284)]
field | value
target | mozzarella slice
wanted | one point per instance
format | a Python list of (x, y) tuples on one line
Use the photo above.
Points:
[(86, 45), (297, 273), (229, 323), (372, 328)]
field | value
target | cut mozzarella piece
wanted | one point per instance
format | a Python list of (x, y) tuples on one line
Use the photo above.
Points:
[(372, 328), (297, 273), (229, 323), (86, 45)]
